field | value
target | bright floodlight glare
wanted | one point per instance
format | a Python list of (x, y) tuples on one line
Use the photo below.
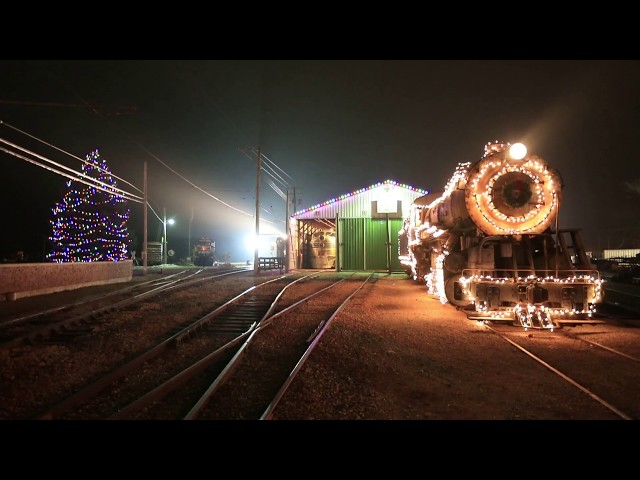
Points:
[(250, 242), (518, 151), (171, 221)]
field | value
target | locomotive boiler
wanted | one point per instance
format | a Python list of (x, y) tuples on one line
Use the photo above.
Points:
[(490, 242)]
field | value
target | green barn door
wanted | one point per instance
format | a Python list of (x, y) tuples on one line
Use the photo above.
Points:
[(351, 237), (375, 242), (377, 233), (395, 224), (363, 244)]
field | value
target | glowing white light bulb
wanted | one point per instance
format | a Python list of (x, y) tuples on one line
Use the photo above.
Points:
[(518, 151)]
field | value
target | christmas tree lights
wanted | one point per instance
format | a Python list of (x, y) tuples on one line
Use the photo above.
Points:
[(90, 224)]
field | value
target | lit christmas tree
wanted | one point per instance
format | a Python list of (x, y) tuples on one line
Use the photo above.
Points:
[(90, 224)]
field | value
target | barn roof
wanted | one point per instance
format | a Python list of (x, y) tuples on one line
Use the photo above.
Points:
[(329, 208)]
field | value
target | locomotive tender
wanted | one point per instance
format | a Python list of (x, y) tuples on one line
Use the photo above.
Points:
[(491, 243)]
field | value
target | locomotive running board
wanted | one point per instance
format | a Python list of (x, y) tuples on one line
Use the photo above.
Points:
[(578, 322), (555, 320), (480, 318)]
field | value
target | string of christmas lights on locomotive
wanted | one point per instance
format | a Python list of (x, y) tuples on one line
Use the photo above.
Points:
[(507, 199)]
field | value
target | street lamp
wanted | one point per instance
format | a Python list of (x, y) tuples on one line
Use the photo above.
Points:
[(171, 221)]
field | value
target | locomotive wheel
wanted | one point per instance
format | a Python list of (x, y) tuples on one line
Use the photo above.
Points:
[(455, 262), (454, 292)]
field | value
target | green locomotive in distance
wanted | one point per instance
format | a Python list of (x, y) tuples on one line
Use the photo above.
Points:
[(203, 252)]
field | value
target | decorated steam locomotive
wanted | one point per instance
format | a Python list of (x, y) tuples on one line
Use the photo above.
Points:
[(490, 243)]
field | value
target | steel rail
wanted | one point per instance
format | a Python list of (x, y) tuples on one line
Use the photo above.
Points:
[(268, 413), (180, 378), (106, 380), (562, 375)]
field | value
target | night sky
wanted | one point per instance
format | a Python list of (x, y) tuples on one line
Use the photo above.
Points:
[(332, 127)]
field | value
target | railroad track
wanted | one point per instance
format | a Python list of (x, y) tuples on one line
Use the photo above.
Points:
[(79, 317), (68, 365), (574, 356), (197, 347), (574, 348), (290, 336)]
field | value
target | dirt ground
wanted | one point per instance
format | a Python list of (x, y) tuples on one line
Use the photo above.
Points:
[(400, 354)]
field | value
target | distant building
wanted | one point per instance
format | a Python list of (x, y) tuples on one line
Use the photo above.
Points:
[(621, 253)]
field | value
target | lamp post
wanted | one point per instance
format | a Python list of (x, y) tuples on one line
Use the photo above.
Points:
[(164, 238)]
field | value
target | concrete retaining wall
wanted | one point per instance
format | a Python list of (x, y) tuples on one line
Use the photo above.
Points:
[(19, 280)]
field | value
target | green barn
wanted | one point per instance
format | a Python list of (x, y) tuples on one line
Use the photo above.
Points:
[(356, 231)]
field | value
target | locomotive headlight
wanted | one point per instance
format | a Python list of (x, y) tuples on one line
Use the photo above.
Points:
[(518, 151)]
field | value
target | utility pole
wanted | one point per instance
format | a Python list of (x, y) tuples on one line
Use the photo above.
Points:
[(189, 248), (295, 204), (286, 233), (256, 261), (144, 240), (164, 238)]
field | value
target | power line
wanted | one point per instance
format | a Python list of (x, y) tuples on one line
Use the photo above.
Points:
[(67, 153), (277, 189), (108, 190), (276, 166), (123, 193), (269, 172), (192, 184), (93, 108), (146, 150)]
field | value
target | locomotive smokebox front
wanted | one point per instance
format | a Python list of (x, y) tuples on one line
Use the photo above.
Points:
[(509, 196)]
